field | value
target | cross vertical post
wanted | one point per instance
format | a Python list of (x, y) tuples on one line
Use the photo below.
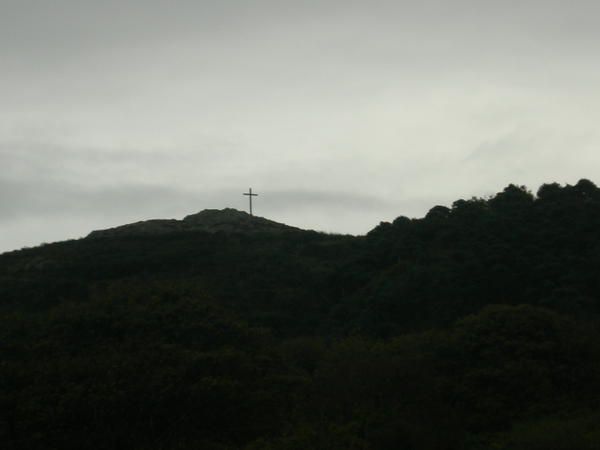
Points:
[(250, 195)]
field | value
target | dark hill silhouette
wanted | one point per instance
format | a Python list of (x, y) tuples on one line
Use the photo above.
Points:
[(210, 220), (474, 327)]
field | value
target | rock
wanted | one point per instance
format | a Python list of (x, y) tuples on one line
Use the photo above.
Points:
[(208, 220)]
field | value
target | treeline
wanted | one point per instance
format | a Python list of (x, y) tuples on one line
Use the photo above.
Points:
[(474, 327)]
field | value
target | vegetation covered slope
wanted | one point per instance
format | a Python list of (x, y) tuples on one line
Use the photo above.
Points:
[(474, 327)]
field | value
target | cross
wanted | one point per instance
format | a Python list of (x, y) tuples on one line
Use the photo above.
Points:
[(250, 195)]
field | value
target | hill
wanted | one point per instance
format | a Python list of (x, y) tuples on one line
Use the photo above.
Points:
[(474, 327), (209, 220)]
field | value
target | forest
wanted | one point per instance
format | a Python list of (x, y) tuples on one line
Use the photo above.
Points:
[(475, 327)]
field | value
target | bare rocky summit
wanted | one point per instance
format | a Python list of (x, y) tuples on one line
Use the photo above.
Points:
[(209, 220)]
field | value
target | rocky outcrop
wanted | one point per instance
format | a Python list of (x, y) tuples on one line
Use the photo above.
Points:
[(209, 220)]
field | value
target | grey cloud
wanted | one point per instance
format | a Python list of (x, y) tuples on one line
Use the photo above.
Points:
[(46, 33), (44, 180), (57, 32), (510, 145), (29, 198), (321, 200), (88, 165), (40, 155), (63, 203)]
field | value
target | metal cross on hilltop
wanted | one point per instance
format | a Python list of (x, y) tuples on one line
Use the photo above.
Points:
[(250, 195)]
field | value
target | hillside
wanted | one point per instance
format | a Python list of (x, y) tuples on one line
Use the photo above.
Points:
[(474, 327), (209, 220)]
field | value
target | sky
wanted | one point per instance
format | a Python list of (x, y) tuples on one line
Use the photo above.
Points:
[(339, 114)]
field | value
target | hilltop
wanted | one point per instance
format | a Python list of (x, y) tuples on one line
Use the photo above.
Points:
[(474, 327), (227, 220)]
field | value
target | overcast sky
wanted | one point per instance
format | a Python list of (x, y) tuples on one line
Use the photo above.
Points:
[(340, 114)]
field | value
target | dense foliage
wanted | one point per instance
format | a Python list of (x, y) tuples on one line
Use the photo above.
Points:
[(474, 327)]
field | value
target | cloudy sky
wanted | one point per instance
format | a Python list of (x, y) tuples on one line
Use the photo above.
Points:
[(340, 114)]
